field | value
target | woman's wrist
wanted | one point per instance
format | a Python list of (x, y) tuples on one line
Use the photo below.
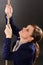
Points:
[(8, 36)]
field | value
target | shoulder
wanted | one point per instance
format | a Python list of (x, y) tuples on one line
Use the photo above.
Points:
[(31, 46), (28, 46)]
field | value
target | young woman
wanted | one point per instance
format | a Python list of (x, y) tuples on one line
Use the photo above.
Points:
[(25, 49)]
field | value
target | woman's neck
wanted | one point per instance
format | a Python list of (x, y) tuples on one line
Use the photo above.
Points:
[(23, 40)]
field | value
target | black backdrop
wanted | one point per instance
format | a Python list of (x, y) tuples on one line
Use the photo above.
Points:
[(24, 12)]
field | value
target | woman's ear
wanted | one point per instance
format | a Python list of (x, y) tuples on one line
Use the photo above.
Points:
[(32, 38)]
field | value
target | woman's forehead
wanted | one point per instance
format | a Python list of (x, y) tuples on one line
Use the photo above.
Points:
[(29, 26)]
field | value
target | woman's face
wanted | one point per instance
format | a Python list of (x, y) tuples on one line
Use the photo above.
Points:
[(26, 32)]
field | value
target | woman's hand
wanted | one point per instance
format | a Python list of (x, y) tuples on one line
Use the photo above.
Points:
[(8, 10), (8, 31)]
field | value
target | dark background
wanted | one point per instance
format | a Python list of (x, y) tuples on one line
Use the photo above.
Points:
[(25, 12)]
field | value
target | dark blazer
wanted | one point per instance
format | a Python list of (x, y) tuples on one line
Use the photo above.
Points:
[(24, 55)]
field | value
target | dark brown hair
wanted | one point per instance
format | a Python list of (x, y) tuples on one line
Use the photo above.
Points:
[(37, 34)]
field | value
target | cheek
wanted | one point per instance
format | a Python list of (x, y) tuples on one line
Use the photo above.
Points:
[(23, 34), (30, 32)]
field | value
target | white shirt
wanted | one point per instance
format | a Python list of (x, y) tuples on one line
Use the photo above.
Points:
[(17, 45)]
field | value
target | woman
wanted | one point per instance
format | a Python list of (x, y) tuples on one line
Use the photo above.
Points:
[(24, 49)]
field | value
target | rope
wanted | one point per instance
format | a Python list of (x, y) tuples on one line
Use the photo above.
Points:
[(6, 61)]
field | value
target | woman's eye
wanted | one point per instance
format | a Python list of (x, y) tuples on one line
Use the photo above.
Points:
[(27, 29)]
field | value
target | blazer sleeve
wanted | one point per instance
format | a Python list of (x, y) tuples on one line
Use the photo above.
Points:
[(17, 55), (15, 29)]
